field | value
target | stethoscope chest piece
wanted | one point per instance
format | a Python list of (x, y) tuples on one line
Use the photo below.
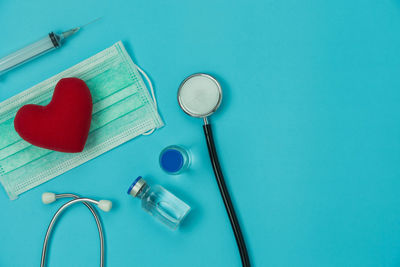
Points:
[(199, 95)]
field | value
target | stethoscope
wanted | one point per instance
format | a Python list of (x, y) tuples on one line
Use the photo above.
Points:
[(199, 96), (104, 205)]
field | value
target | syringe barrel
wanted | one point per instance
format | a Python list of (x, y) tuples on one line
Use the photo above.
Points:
[(29, 52)]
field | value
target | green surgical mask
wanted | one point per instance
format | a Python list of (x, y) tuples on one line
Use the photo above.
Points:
[(122, 110)]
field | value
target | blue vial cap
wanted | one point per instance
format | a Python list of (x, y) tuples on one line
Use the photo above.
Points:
[(171, 160), (133, 184)]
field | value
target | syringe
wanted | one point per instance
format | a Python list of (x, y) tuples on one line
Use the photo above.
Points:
[(44, 45)]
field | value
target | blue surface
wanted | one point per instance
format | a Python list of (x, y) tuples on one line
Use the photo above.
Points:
[(308, 133), (171, 160)]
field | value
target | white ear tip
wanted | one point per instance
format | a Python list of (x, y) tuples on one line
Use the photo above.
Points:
[(105, 205), (48, 197)]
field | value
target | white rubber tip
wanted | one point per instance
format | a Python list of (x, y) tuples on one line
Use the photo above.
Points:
[(105, 205), (48, 197)]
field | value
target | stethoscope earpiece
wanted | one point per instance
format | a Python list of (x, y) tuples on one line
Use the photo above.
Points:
[(48, 197), (105, 205)]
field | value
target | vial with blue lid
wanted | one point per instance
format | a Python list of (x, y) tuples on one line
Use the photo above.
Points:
[(159, 202), (174, 159)]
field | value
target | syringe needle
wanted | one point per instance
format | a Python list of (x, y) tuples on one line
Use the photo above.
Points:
[(91, 22), (75, 30)]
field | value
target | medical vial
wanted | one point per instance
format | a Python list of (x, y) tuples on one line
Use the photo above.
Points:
[(159, 202), (174, 159)]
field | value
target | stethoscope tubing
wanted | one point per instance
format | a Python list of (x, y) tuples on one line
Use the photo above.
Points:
[(225, 194), (76, 199)]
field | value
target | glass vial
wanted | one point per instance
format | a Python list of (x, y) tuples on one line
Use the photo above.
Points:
[(159, 202), (174, 159)]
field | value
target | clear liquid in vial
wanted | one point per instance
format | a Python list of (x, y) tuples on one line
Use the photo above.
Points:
[(160, 203)]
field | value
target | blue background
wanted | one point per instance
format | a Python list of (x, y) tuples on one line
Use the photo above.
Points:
[(308, 133)]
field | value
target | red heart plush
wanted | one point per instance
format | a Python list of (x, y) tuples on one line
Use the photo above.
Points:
[(63, 125)]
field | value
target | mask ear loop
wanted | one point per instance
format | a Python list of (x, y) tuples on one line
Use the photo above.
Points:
[(152, 93)]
